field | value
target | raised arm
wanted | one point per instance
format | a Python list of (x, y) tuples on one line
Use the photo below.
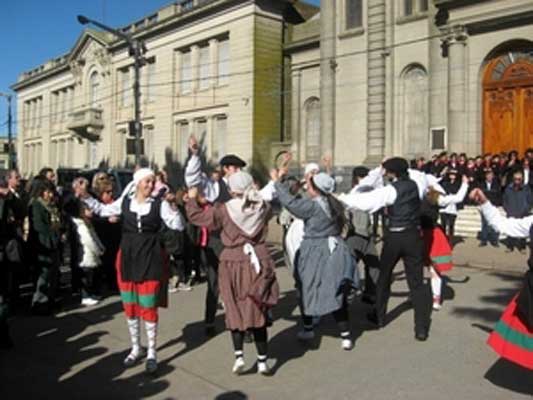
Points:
[(195, 177), (300, 207), (456, 198), (370, 201)]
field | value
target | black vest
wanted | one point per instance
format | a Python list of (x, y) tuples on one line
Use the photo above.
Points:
[(142, 257), (223, 192), (405, 212)]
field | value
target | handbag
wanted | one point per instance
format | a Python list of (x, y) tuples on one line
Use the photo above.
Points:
[(13, 251)]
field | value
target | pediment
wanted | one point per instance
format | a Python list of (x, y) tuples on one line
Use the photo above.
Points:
[(89, 43)]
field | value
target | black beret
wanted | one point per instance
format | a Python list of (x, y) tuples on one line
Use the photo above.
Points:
[(232, 159), (360, 171), (396, 165)]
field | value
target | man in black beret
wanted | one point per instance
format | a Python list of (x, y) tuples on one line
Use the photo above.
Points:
[(402, 240)]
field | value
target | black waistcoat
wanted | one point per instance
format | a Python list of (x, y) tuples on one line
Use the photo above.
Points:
[(223, 193), (405, 212), (141, 246), (525, 297)]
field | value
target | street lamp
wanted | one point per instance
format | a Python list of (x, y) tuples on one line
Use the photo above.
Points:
[(136, 49), (10, 158)]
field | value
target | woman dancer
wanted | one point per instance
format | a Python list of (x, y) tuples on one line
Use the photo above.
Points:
[(141, 261), (324, 269), (246, 274), (512, 337), (438, 248)]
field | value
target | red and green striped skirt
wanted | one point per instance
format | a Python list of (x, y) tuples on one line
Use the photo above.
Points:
[(141, 299), (512, 339), (438, 249)]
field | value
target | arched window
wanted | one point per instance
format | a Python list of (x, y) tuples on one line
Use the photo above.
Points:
[(415, 111), (312, 129), (94, 88)]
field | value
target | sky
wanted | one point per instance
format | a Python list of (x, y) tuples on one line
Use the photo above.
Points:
[(34, 31)]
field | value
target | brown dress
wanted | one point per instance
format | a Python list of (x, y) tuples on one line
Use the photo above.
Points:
[(247, 296)]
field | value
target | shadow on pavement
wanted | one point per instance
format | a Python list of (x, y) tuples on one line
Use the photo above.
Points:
[(510, 376), (495, 302), (49, 349)]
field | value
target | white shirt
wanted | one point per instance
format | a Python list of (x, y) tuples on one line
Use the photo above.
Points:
[(171, 218), (211, 188), (450, 201), (513, 227), (375, 180)]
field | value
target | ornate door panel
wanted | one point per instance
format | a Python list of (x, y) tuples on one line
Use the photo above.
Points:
[(527, 117), (499, 121), (508, 103)]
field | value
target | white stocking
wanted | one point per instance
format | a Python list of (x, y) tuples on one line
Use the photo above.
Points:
[(134, 328), (436, 283), (151, 334)]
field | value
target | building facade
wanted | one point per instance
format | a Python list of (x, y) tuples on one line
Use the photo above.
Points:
[(356, 79), (375, 78), (209, 64)]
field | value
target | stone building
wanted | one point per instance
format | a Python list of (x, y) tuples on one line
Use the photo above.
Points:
[(358, 79), (374, 78), (213, 68)]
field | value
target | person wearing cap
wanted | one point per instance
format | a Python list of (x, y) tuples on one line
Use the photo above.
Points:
[(492, 190), (324, 269), (141, 261), (246, 273), (448, 214), (402, 241)]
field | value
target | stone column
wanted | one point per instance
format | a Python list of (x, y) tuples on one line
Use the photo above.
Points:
[(328, 65), (438, 77), (456, 41), (376, 87), (296, 115)]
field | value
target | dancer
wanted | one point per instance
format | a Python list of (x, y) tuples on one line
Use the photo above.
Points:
[(246, 271), (402, 241), (513, 334), (141, 260), (324, 270), (361, 240), (438, 249)]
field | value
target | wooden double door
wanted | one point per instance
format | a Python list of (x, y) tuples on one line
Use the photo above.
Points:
[(508, 104)]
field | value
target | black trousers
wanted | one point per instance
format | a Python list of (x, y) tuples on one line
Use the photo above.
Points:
[(210, 261), (407, 246), (372, 267), (448, 224), (90, 281)]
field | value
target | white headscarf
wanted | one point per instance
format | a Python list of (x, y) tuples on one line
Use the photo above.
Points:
[(142, 173), (248, 219)]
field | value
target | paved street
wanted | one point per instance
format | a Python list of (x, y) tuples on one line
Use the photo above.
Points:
[(78, 353)]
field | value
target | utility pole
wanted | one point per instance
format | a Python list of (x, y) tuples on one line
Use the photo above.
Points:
[(136, 50), (10, 158)]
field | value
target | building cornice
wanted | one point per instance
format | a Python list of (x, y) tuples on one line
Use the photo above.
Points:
[(167, 24)]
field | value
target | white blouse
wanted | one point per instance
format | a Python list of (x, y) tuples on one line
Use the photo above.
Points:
[(171, 218)]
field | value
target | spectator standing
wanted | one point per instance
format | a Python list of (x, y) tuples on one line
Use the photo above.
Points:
[(517, 203), (492, 189), (43, 240)]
